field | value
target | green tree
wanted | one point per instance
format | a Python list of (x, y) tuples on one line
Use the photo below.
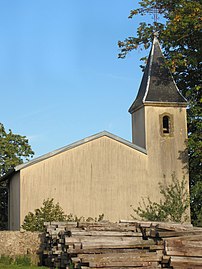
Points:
[(46, 213), (173, 206), (179, 30), (49, 212), (13, 150)]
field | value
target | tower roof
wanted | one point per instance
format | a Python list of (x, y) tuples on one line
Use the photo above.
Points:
[(157, 85)]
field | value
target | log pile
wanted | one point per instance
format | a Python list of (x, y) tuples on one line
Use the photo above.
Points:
[(128, 244)]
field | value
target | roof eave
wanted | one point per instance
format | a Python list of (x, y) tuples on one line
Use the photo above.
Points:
[(167, 104), (132, 109)]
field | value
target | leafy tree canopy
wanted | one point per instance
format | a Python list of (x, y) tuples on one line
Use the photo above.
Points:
[(14, 149), (179, 30)]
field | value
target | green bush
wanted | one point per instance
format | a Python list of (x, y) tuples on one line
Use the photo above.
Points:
[(172, 207), (51, 212), (47, 213), (6, 259), (22, 260)]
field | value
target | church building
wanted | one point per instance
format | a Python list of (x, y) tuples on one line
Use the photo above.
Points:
[(103, 173)]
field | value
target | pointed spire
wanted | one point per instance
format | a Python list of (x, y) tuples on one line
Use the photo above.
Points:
[(158, 85)]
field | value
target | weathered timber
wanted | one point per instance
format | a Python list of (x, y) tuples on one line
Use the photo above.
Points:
[(119, 244), (121, 257), (168, 234), (123, 264), (60, 223), (121, 267), (183, 243), (107, 226), (187, 266), (105, 250), (197, 237), (105, 233), (105, 239), (170, 226), (186, 261), (185, 251), (148, 245)]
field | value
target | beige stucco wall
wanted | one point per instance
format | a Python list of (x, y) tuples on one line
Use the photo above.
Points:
[(167, 155), (165, 152), (101, 176), (14, 202), (138, 127)]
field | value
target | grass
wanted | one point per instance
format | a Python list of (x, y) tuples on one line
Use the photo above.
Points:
[(20, 262), (13, 266)]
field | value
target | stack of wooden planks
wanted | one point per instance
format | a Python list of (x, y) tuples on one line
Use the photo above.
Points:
[(127, 244)]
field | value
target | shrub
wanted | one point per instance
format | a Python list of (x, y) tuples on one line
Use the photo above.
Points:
[(47, 213), (51, 212), (23, 260), (172, 207), (6, 260)]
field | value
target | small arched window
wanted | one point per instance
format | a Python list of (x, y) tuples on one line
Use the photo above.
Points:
[(166, 124)]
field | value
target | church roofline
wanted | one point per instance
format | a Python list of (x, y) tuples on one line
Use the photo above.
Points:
[(70, 146), (150, 66), (171, 75), (158, 84)]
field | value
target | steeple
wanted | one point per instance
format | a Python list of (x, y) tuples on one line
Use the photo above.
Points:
[(157, 84)]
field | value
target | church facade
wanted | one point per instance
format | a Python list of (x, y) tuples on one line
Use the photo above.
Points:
[(105, 174)]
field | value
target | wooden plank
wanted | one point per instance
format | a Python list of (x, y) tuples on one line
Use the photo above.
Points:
[(120, 267), (118, 244), (94, 224), (187, 266), (183, 243), (151, 256), (197, 237), (161, 225), (173, 226), (105, 233), (184, 251), (60, 223), (77, 246), (157, 247), (116, 240), (75, 259), (146, 224), (104, 250), (165, 259), (168, 234), (184, 261), (122, 264), (109, 227)]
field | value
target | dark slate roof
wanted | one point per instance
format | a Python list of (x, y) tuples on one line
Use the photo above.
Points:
[(157, 85)]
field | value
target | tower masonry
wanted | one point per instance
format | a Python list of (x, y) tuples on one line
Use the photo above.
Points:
[(159, 119)]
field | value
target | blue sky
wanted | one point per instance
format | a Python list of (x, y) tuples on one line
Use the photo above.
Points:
[(60, 77)]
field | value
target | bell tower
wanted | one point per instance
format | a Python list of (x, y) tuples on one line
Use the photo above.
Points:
[(159, 118)]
